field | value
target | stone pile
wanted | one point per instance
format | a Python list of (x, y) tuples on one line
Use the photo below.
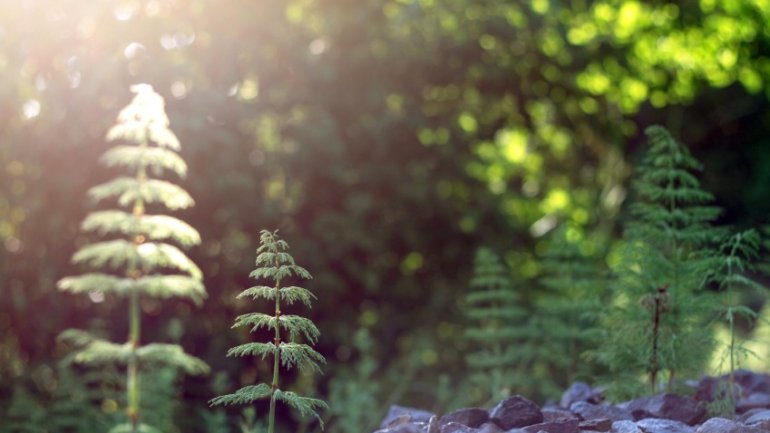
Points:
[(582, 410)]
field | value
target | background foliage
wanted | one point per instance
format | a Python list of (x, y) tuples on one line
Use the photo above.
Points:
[(386, 139)]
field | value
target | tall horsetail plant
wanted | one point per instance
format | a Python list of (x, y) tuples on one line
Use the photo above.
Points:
[(274, 263), (660, 321), (498, 328), (137, 261)]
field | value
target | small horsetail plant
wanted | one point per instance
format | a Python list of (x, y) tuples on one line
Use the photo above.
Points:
[(573, 288), (498, 331), (137, 261), (734, 260), (274, 263)]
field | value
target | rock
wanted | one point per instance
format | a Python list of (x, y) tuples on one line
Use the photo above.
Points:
[(763, 415), (596, 424), (433, 426), (471, 417), (705, 389), (403, 428), (660, 425), (724, 425), (763, 426), (748, 414), (758, 400), (400, 414), (751, 382), (557, 414), (579, 391), (456, 427), (668, 406), (570, 426), (490, 427), (625, 426), (587, 411), (516, 411)]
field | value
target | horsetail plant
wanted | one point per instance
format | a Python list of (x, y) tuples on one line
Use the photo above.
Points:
[(498, 330), (137, 259), (274, 263), (660, 324), (734, 260)]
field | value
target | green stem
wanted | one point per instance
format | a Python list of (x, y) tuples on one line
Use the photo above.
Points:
[(132, 385), (133, 363), (732, 353), (276, 358)]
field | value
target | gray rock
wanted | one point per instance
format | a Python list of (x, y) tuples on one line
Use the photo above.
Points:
[(758, 400), (625, 426), (763, 415), (490, 427), (578, 391), (596, 424), (748, 414), (724, 425), (587, 411), (570, 426), (400, 414), (516, 411), (471, 417), (751, 382), (557, 414), (660, 425), (403, 428), (668, 406), (433, 426), (456, 427)]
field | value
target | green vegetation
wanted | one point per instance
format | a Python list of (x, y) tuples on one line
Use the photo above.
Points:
[(391, 138), (137, 250), (499, 328), (567, 314), (274, 263), (661, 320), (735, 262)]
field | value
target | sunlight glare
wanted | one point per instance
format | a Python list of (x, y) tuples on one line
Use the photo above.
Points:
[(31, 109)]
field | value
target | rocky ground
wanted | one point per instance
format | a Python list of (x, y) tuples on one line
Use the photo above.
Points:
[(582, 410)]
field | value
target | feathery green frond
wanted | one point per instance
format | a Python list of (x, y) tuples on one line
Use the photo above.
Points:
[(256, 320), (129, 191), (304, 405), (280, 272), (295, 325), (156, 158), (92, 350), (302, 355), (147, 257), (157, 286), (172, 355), (152, 227), (245, 395), (289, 294), (261, 350)]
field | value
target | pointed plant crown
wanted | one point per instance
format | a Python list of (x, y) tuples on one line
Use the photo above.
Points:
[(276, 265)]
